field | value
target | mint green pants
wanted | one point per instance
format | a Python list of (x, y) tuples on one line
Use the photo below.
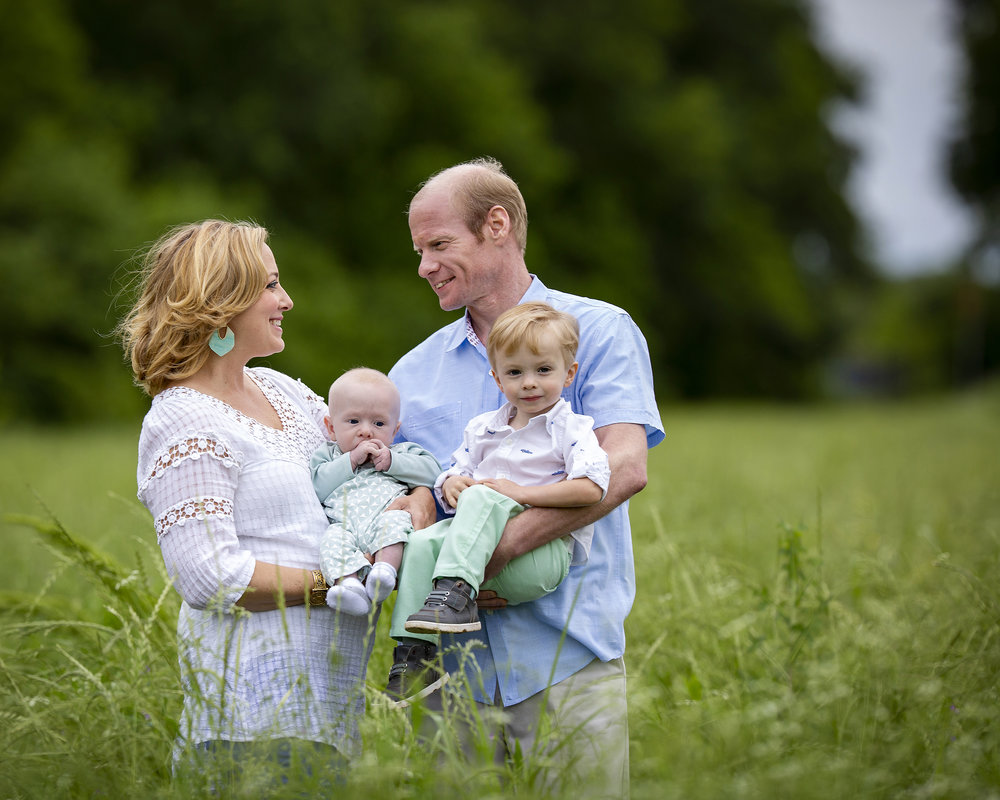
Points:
[(461, 547)]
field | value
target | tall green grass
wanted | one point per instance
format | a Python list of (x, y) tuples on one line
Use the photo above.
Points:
[(818, 615)]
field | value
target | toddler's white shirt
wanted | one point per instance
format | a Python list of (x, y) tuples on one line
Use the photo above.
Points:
[(552, 447)]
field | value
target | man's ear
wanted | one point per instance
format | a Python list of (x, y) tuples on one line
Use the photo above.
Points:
[(497, 223)]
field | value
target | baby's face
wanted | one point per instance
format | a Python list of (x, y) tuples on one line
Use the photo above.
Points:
[(362, 411)]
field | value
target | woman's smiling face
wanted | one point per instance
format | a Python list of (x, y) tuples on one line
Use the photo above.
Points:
[(258, 329)]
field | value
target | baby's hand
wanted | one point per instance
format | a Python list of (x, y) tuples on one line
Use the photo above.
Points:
[(382, 458), (367, 449), (453, 486)]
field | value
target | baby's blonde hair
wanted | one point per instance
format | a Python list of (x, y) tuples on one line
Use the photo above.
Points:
[(526, 324), (192, 281)]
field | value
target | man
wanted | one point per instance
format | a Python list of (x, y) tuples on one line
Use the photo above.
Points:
[(560, 655)]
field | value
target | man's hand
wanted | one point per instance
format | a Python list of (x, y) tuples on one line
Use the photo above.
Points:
[(487, 599), (420, 505)]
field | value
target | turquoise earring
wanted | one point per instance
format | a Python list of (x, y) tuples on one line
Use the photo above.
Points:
[(222, 344)]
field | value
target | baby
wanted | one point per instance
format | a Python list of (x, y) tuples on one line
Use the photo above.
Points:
[(357, 474)]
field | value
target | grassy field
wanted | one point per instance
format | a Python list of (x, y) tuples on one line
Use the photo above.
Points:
[(817, 615)]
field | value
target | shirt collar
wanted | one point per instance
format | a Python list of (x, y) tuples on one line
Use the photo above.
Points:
[(501, 419), (463, 330), (470, 332)]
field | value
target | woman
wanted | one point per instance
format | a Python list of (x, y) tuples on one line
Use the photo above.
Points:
[(224, 470)]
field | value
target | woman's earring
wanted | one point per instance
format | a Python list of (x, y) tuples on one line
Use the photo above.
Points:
[(222, 344)]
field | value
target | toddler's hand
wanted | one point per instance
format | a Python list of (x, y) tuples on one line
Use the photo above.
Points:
[(454, 486), (504, 487)]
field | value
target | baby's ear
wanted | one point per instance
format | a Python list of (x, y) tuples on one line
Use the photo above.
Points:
[(329, 429)]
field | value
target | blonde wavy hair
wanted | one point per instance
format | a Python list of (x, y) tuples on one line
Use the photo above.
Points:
[(192, 281)]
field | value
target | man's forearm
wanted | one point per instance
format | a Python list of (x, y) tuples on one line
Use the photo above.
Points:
[(625, 445)]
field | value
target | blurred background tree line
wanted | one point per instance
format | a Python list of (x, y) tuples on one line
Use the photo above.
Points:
[(676, 157)]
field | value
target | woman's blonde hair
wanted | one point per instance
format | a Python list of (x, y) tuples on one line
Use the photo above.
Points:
[(526, 325), (192, 281)]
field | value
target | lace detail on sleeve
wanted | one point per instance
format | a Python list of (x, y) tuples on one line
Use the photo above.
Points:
[(195, 508), (194, 446)]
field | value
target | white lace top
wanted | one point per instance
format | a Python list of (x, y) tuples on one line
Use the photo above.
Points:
[(226, 490)]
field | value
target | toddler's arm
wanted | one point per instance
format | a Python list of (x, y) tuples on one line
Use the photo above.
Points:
[(570, 493)]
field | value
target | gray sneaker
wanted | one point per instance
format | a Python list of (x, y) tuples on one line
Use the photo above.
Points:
[(414, 674), (450, 608)]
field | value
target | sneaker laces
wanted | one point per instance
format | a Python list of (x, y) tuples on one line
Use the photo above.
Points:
[(443, 597)]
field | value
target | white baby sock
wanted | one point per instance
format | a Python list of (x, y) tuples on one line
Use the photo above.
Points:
[(381, 581), (350, 597)]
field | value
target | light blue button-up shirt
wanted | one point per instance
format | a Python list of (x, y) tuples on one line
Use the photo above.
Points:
[(445, 381)]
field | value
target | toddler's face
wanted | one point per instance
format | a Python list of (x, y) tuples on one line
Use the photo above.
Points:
[(362, 411), (533, 382)]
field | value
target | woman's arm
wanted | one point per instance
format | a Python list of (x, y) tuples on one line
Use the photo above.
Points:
[(273, 586)]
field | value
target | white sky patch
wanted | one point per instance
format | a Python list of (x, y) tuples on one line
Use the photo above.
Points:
[(911, 107)]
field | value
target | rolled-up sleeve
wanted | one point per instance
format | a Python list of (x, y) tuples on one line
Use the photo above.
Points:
[(583, 454)]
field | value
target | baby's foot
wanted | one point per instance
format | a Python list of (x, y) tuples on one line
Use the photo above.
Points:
[(349, 596), (381, 581)]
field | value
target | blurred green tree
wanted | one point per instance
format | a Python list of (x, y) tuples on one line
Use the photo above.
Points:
[(676, 160), (975, 154), (973, 293), (705, 177)]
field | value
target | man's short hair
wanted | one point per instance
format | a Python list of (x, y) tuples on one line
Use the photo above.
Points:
[(478, 186)]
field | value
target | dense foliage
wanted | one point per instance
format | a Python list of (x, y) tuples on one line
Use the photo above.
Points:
[(975, 156), (675, 157)]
